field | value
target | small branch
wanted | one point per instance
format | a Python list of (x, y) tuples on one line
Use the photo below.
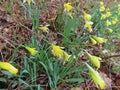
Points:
[(111, 56), (4, 38)]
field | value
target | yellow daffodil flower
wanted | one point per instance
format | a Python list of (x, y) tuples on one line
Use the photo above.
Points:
[(28, 1), (66, 56), (102, 8), (87, 17), (67, 7), (44, 28), (108, 23), (114, 21), (103, 16), (88, 25), (108, 14), (94, 60), (99, 39), (32, 51), (57, 51), (99, 82), (93, 41), (101, 3), (7, 66)]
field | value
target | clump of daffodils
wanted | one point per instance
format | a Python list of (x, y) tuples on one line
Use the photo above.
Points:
[(106, 15), (99, 82), (7, 66), (28, 1), (88, 22), (32, 51), (59, 52), (94, 59)]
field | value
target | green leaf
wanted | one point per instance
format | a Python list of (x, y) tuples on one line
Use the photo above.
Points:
[(2, 79)]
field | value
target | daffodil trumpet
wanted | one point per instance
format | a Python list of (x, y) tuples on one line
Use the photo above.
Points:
[(99, 39), (44, 28), (68, 7), (99, 82), (93, 41), (94, 59), (32, 51), (59, 52), (7, 66)]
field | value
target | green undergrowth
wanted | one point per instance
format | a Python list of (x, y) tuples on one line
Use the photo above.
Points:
[(44, 69)]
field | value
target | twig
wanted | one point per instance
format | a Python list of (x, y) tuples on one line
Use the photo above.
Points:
[(4, 38), (111, 56)]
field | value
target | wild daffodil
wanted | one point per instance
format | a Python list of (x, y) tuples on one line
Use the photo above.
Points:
[(99, 82), (102, 8), (93, 41), (99, 39), (87, 17), (44, 28), (101, 3), (108, 23), (28, 1), (7, 66), (57, 51), (94, 60), (88, 25), (108, 14), (88, 22), (115, 21), (32, 51), (66, 56), (67, 7), (103, 16)]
